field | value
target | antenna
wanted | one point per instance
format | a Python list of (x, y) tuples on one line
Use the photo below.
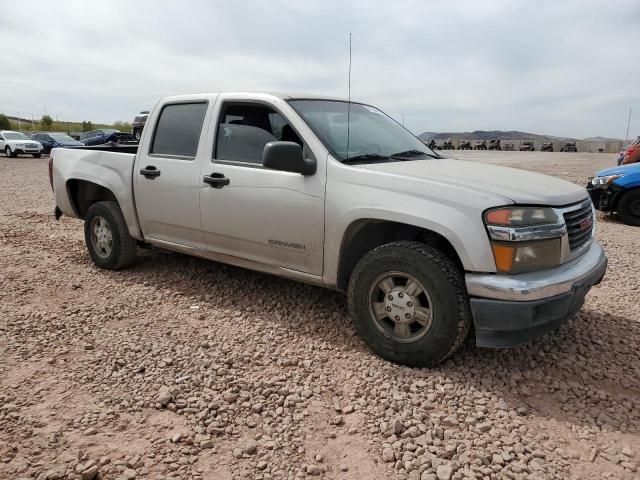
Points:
[(626, 138), (349, 97)]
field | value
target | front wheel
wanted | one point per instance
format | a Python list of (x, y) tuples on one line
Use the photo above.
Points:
[(9, 153), (629, 208), (107, 237), (409, 303)]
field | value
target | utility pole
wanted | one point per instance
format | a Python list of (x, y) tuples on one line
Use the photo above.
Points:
[(626, 138), (19, 126)]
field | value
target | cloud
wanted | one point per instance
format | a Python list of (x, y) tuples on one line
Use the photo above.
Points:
[(563, 68)]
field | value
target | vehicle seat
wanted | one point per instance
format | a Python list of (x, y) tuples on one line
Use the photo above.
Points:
[(289, 135)]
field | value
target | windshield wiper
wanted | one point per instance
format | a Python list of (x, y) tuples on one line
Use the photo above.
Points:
[(367, 157), (413, 153)]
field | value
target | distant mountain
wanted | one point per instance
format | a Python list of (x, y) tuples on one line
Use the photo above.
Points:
[(489, 135), (603, 139)]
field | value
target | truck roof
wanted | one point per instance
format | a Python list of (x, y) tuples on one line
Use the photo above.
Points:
[(265, 95)]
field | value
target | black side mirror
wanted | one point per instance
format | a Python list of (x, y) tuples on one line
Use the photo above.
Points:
[(288, 157)]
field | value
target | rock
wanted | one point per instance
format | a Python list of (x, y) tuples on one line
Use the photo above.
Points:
[(229, 397), (261, 465), (237, 452), (344, 468), (314, 470), (319, 458), (347, 409), (388, 455), (397, 426), (164, 396), (251, 447), (427, 476), (90, 473), (129, 474), (484, 427), (444, 472)]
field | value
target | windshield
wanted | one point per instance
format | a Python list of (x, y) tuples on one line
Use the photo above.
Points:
[(371, 132), (15, 136), (61, 137), (109, 131)]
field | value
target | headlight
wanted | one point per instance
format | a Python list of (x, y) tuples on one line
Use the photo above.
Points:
[(524, 239), (599, 181)]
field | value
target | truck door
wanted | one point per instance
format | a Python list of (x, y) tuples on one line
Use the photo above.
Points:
[(167, 175), (267, 216)]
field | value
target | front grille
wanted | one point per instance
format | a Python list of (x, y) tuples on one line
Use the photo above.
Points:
[(579, 225), (32, 145)]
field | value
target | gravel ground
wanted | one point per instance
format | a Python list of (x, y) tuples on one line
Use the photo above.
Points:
[(183, 368)]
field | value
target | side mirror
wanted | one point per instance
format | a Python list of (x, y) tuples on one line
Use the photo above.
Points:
[(288, 157)]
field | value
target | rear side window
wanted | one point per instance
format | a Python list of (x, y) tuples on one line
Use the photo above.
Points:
[(178, 129)]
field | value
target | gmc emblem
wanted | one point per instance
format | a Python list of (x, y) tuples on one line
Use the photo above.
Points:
[(586, 223)]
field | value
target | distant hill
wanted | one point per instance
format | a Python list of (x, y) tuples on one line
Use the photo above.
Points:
[(602, 139), (489, 135)]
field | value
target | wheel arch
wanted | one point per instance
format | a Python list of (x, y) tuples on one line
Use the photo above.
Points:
[(84, 193), (363, 235)]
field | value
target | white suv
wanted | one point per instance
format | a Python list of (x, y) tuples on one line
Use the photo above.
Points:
[(14, 143)]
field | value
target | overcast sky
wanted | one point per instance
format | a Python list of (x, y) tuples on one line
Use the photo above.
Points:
[(566, 68)]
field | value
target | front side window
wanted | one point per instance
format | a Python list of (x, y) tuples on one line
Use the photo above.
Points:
[(178, 130), (370, 132), (245, 129)]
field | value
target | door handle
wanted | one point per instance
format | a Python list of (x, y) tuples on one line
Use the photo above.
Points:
[(150, 172), (216, 180)]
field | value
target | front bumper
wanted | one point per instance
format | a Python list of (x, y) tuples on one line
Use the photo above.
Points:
[(604, 197), (512, 309)]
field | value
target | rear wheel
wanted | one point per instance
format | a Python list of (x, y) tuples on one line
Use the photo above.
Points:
[(629, 208), (409, 304), (107, 237)]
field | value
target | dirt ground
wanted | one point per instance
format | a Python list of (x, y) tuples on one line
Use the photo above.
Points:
[(183, 368)]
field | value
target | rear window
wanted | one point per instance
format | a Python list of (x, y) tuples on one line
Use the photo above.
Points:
[(178, 129)]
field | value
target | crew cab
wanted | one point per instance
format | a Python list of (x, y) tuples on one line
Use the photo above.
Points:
[(338, 194), (617, 189)]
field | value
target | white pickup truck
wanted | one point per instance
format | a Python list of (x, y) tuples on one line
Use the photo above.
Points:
[(338, 194)]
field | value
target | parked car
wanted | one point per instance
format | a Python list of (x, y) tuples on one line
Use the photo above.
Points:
[(617, 189), (480, 145), (509, 147), (547, 147), (527, 147), (632, 153), (447, 145), (17, 143), (424, 246), (465, 145), (100, 137), (54, 140), (495, 145), (569, 147), (138, 124)]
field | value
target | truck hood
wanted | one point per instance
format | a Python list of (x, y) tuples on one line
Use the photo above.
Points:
[(620, 170), (520, 186)]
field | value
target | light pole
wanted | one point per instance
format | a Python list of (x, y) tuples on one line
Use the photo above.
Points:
[(19, 126)]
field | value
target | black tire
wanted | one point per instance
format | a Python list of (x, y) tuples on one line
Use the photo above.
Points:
[(37, 155), (137, 134), (9, 153), (123, 247), (444, 283), (629, 207)]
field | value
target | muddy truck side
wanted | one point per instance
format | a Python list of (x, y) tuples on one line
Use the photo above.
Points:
[(340, 195)]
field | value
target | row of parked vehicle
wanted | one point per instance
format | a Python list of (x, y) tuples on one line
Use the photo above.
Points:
[(526, 146), (17, 143)]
